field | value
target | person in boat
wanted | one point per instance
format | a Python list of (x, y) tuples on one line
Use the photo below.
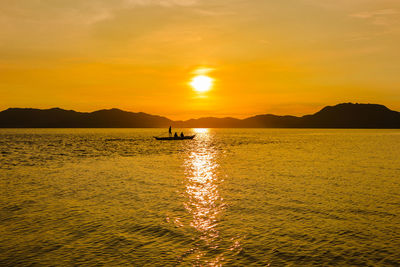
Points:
[(176, 135), (182, 134), (170, 131)]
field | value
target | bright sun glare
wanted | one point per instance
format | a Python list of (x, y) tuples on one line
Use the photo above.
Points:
[(200, 130), (201, 83)]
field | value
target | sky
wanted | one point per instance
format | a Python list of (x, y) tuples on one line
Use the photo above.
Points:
[(263, 56)]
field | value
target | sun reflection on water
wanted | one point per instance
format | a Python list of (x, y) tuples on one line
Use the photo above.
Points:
[(203, 200), (200, 130)]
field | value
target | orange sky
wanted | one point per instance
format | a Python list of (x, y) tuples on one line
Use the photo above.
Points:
[(265, 56)]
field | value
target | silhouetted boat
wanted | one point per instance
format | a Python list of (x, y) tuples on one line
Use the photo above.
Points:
[(174, 138)]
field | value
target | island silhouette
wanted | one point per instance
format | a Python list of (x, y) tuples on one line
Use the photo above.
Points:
[(345, 115)]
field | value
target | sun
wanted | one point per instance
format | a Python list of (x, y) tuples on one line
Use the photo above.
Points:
[(202, 83)]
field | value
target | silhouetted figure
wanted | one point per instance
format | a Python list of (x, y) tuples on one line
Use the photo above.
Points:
[(182, 134), (170, 131), (176, 135)]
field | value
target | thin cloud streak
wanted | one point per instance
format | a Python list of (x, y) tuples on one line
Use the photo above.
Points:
[(376, 13)]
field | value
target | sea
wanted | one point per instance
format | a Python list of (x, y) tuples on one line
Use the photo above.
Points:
[(229, 197)]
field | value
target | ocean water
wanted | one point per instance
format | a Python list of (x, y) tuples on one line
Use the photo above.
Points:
[(230, 197)]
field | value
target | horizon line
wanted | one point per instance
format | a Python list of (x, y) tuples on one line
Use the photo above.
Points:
[(201, 117)]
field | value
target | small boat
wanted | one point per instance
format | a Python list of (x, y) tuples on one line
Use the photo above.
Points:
[(175, 138)]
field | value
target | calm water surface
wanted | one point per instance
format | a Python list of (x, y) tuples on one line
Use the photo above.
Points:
[(230, 197)]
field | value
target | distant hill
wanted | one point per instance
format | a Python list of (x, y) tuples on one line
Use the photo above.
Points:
[(60, 118), (347, 115)]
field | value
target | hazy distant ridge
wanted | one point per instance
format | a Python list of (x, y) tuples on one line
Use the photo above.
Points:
[(347, 115)]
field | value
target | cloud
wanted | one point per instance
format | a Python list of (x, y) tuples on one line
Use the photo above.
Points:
[(376, 13), (77, 11), (162, 2), (61, 23), (383, 17)]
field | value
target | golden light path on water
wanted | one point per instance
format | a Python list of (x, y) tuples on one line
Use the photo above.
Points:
[(204, 203)]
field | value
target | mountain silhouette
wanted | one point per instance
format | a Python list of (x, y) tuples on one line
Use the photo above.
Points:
[(60, 118), (346, 115)]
